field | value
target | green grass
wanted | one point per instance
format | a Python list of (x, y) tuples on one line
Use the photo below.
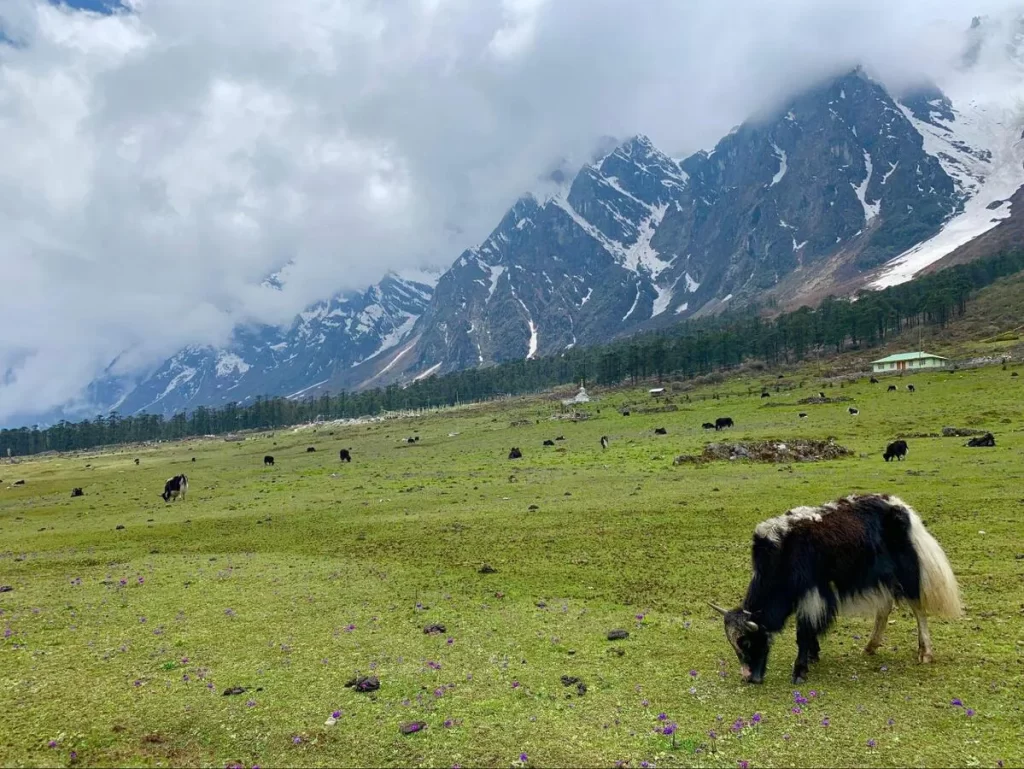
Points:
[(256, 576)]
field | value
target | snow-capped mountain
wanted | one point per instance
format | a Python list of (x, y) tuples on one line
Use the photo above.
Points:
[(846, 185), (329, 336), (843, 185)]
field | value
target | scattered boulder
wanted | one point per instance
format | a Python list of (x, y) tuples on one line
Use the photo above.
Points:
[(618, 635), (435, 629), (985, 441), (364, 684), (960, 432), (581, 688), (773, 451)]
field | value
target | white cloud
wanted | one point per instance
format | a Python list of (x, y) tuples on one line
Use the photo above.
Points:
[(159, 163)]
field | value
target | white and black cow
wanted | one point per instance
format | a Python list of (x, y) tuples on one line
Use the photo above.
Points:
[(858, 555), (175, 487)]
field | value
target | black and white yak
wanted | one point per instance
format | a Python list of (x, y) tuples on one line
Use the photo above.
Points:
[(175, 487), (857, 555)]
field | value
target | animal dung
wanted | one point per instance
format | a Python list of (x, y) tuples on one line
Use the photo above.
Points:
[(364, 684), (234, 690), (435, 629), (618, 635), (487, 569)]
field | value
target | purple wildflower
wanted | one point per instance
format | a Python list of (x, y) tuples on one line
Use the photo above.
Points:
[(123, 582), (693, 674), (74, 756), (137, 682), (970, 712), (669, 729), (52, 743), (250, 704), (891, 722), (796, 710), (737, 726), (872, 743), (645, 764), (438, 693), (523, 757), (336, 714), (185, 678), (349, 628), (640, 617), (515, 684), (450, 641), (644, 703), (141, 580), (812, 694), (713, 734), (743, 764), (296, 740), (786, 737), (957, 702), (756, 718), (229, 612), (448, 723), (662, 717), (825, 722)]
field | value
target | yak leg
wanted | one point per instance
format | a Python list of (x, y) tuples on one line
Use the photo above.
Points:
[(924, 638), (808, 649), (881, 620)]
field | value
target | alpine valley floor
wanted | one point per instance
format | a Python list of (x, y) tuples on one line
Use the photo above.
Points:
[(119, 643)]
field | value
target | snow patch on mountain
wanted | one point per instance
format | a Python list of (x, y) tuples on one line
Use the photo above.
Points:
[(229, 363), (640, 256), (783, 164), (870, 209)]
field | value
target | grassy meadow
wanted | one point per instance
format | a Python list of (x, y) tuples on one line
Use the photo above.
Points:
[(118, 643)]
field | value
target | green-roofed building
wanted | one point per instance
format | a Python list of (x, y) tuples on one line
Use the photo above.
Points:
[(909, 361)]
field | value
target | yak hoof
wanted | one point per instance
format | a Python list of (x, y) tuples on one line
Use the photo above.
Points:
[(924, 656), (798, 678), (871, 648)]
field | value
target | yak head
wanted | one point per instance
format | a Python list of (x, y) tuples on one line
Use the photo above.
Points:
[(750, 641)]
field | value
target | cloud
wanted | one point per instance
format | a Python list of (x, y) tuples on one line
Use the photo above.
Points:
[(164, 158)]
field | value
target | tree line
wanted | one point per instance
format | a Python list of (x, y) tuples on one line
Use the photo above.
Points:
[(687, 349)]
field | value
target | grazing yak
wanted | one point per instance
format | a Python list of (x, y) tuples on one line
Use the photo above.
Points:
[(515, 454), (268, 460), (892, 389), (853, 412), (911, 388), (821, 394), (874, 381), (345, 455), (858, 555), (802, 415), (708, 425), (896, 450), (77, 492), (136, 461), (175, 487), (549, 442), (986, 441), (723, 422), (766, 395), (311, 449), (604, 441), (660, 431)]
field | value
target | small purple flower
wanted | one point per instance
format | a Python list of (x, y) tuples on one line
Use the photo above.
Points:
[(957, 702), (640, 617), (448, 723), (872, 743), (891, 722), (123, 582), (515, 684), (796, 710), (693, 674), (670, 729), (296, 740), (644, 703), (250, 704), (737, 726), (825, 722), (812, 694), (8, 632), (756, 718), (137, 682), (450, 641), (184, 660), (438, 693), (74, 755), (523, 757), (743, 764), (229, 612), (645, 764), (433, 665), (185, 678), (786, 737), (336, 714), (349, 628), (713, 734), (141, 580), (970, 712), (52, 743)]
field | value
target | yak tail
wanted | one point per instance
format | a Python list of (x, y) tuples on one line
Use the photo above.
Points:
[(940, 594)]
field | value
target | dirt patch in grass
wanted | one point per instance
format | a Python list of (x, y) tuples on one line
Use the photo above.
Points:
[(772, 451)]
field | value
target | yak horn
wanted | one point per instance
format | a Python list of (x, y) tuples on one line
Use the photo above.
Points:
[(752, 626), (718, 608)]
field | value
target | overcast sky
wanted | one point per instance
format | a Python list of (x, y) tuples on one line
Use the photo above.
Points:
[(158, 162)]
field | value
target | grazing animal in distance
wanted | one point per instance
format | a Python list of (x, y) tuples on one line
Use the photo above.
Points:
[(987, 441), (853, 412), (766, 395), (345, 455), (77, 492), (803, 415), (723, 422), (311, 449), (821, 394), (604, 441), (136, 460), (175, 487), (1014, 374), (660, 431), (874, 381), (911, 388), (625, 413), (193, 459), (560, 438), (410, 440), (549, 442), (515, 454), (268, 460), (856, 555), (892, 389), (19, 483), (896, 450), (708, 425)]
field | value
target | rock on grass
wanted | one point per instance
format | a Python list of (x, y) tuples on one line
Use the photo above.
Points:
[(364, 684), (618, 635)]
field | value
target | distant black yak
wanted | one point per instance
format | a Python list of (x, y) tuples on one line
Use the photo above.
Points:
[(344, 455), (896, 450), (515, 454), (268, 460), (722, 422)]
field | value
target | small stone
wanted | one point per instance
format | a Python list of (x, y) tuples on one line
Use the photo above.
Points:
[(533, 507), (618, 635), (364, 684), (487, 569), (234, 690), (412, 728), (542, 605), (6, 588), (119, 527), (435, 629)]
